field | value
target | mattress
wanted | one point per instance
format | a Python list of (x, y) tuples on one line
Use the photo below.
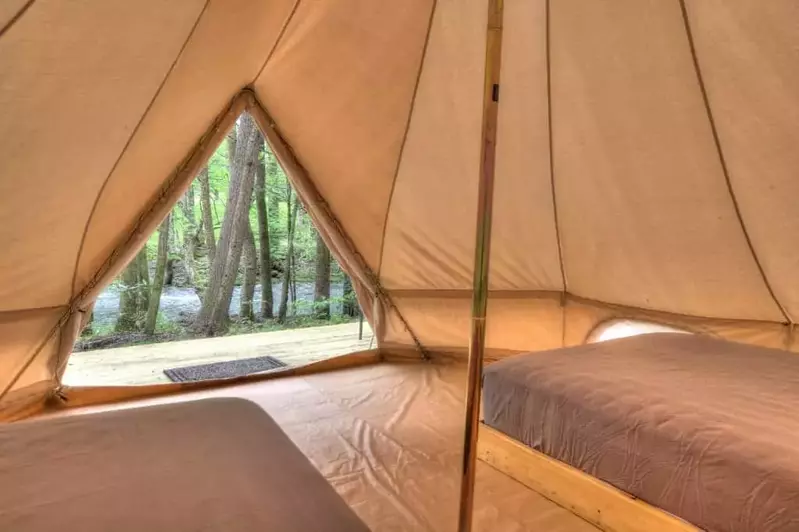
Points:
[(705, 429), (209, 465)]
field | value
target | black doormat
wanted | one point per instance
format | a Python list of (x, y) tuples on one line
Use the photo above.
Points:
[(223, 370)]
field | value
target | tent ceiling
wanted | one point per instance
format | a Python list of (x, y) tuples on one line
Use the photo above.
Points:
[(646, 157)]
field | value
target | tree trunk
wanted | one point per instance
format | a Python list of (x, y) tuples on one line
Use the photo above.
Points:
[(321, 294), (250, 276), (272, 171), (190, 234), (293, 276), (212, 318), (232, 138), (251, 139), (208, 219), (143, 285), (158, 281), (264, 253), (291, 221), (88, 330), (134, 294), (174, 237), (218, 264), (350, 306)]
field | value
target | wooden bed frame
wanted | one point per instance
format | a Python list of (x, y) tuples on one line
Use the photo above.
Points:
[(596, 501)]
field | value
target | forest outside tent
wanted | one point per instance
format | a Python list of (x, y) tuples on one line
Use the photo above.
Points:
[(238, 253)]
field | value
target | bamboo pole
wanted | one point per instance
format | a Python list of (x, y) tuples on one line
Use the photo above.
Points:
[(482, 254)]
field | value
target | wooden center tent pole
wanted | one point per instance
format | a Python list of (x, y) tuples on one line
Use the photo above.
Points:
[(482, 251)]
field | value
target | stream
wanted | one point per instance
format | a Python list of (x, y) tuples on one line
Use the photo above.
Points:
[(182, 303)]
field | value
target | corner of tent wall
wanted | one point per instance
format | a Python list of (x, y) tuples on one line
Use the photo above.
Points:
[(26, 402), (29, 341), (792, 337)]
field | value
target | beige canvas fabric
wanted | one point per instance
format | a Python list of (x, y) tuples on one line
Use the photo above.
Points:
[(525, 216), (226, 50), (638, 178), (748, 58), (646, 159), (447, 106), (320, 87), (10, 10)]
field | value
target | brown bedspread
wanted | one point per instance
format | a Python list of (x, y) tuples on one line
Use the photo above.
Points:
[(705, 429), (209, 465)]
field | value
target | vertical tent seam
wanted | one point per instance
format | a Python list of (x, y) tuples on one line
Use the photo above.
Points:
[(723, 161), (127, 145), (16, 17), (564, 292), (405, 136), (279, 38), (380, 292), (176, 177)]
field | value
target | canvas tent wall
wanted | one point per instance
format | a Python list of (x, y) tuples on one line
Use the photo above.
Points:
[(646, 159)]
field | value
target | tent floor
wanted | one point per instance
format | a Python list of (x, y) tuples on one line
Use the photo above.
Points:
[(388, 437)]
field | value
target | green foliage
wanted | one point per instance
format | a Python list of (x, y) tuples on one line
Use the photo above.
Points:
[(294, 322), (166, 326), (277, 192), (100, 330), (302, 308), (279, 197)]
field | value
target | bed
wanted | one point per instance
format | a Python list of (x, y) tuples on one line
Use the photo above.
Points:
[(210, 465), (705, 429)]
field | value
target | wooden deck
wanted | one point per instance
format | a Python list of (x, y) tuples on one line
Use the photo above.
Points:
[(144, 364)]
